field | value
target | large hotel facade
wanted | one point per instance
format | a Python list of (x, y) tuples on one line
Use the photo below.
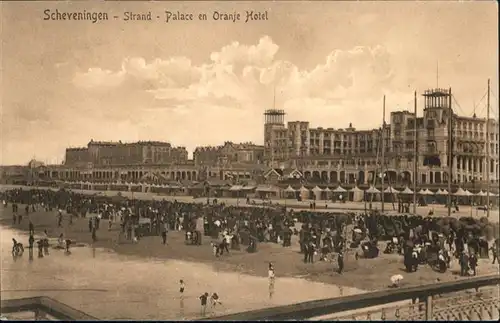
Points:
[(316, 155), (349, 155)]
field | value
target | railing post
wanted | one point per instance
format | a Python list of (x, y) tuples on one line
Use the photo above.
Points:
[(40, 315), (428, 308)]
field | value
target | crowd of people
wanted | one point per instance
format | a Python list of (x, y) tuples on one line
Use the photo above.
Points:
[(419, 240)]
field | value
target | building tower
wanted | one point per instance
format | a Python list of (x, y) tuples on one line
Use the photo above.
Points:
[(273, 119), (437, 115)]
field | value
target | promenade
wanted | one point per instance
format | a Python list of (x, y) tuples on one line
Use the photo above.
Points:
[(293, 204)]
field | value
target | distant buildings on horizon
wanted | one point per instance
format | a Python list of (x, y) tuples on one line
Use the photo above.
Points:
[(323, 154)]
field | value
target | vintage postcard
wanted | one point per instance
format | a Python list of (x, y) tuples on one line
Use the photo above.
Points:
[(249, 160)]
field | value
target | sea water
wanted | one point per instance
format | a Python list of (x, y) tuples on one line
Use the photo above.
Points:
[(112, 286)]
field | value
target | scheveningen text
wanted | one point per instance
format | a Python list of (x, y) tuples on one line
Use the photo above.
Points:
[(82, 15)]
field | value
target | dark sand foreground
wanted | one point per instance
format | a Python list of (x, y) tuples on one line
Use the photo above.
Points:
[(365, 274)]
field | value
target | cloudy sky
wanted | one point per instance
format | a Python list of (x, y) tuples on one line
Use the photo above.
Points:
[(203, 82)]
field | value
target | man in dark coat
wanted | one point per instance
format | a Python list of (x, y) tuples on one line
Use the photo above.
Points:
[(340, 262)]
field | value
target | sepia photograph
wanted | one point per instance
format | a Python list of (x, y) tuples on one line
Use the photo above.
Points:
[(249, 160)]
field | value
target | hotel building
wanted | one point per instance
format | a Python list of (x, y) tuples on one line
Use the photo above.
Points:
[(354, 156)]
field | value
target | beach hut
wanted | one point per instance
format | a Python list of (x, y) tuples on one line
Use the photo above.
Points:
[(328, 192), (317, 192), (428, 192), (340, 189), (481, 193), (340, 193), (372, 194), (406, 191), (267, 191), (304, 193), (461, 196), (390, 194), (460, 192), (391, 190), (289, 192), (234, 191), (372, 190), (356, 194)]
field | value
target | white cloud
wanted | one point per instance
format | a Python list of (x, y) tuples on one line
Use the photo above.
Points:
[(234, 87), (247, 74), (97, 77)]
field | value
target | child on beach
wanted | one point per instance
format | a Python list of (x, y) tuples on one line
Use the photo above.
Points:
[(214, 300), (215, 249), (271, 276), (60, 241), (68, 244)]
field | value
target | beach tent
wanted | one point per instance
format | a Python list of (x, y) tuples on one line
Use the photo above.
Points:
[(481, 193), (356, 194), (317, 192), (372, 190), (422, 191), (428, 192), (328, 192), (236, 188), (339, 189), (442, 192), (391, 190), (304, 193), (460, 192), (468, 193), (372, 194), (407, 191), (390, 194)]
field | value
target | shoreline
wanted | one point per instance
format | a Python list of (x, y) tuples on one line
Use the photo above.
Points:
[(362, 274)]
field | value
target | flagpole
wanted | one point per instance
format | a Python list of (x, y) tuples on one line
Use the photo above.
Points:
[(415, 156), (382, 168), (450, 152), (488, 162)]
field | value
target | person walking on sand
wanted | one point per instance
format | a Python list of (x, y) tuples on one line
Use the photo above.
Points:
[(494, 252), (59, 218), (203, 300), (340, 262), (181, 287), (31, 228), (164, 235), (19, 217)]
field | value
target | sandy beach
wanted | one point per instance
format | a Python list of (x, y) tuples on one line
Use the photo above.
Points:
[(298, 281), (366, 274)]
